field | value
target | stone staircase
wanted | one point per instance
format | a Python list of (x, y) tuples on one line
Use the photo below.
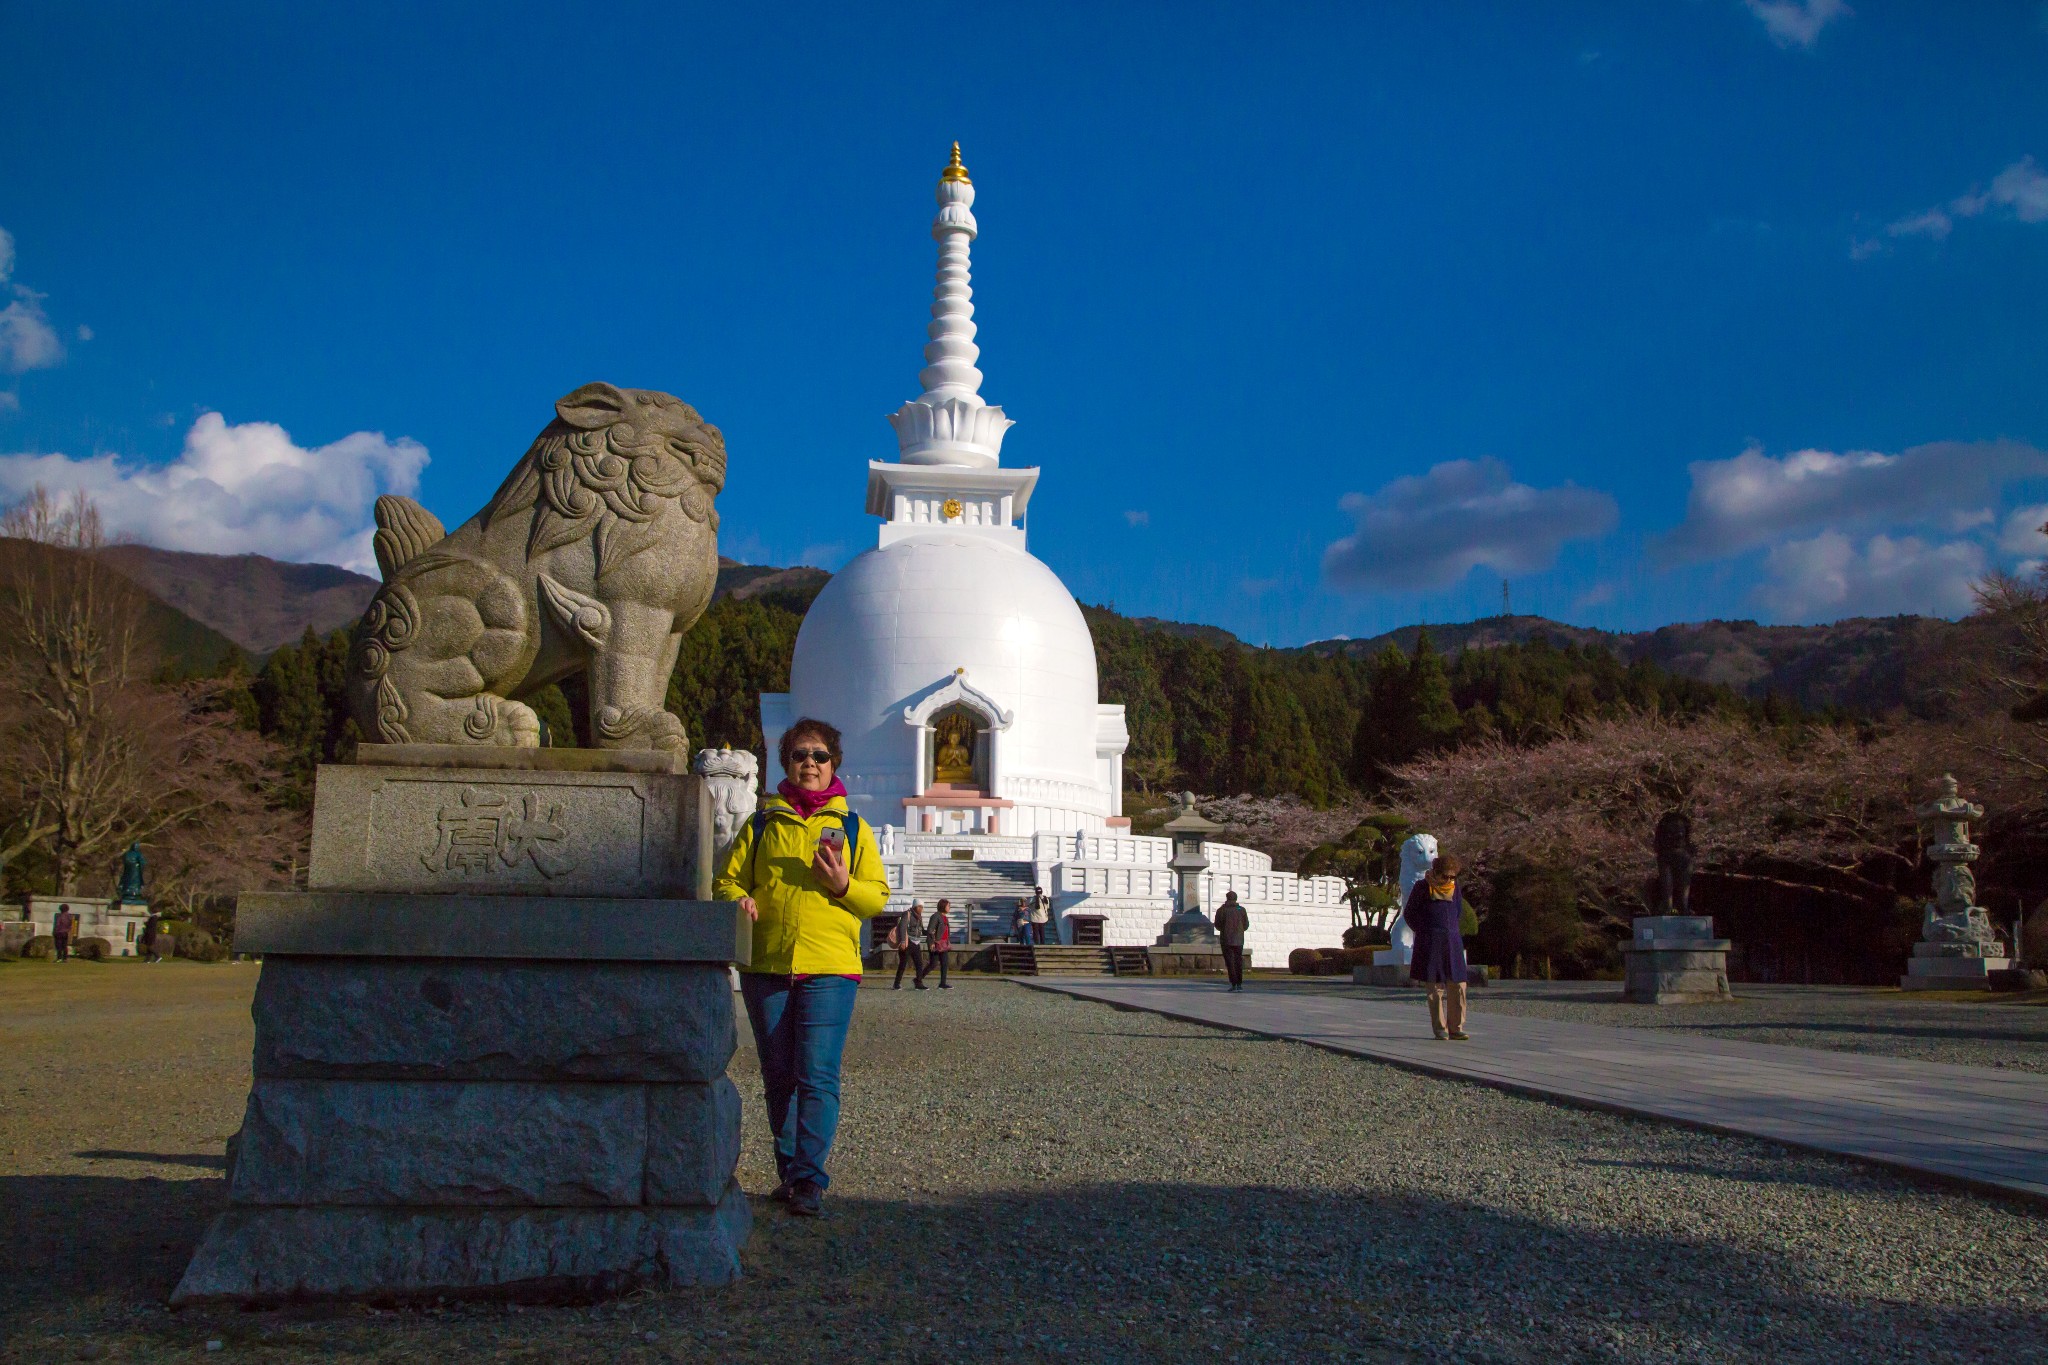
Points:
[(1014, 959), (987, 891)]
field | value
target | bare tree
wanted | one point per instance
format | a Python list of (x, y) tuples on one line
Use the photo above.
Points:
[(92, 755), (1826, 808), (2013, 670), (74, 661), (237, 834)]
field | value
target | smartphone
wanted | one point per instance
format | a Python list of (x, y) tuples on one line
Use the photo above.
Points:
[(836, 838)]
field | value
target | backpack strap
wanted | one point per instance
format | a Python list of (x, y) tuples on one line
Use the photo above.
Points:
[(848, 822), (759, 820)]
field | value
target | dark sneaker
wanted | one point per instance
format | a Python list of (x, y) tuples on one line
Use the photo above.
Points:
[(1441, 1035), (806, 1200), (1461, 1037), (921, 986), (780, 1194)]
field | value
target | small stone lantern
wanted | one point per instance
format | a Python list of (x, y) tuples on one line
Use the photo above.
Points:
[(1189, 940)]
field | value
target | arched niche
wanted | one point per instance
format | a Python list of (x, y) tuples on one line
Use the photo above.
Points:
[(956, 728)]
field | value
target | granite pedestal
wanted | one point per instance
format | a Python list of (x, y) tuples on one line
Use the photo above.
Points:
[(488, 1089), (1952, 967), (1189, 959), (1675, 960)]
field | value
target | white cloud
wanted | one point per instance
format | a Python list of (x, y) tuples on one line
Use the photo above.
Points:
[(1753, 499), (1796, 23), (2021, 533), (1830, 577), (2021, 187), (84, 332), (27, 340), (240, 489), (1427, 531), (1933, 223), (1137, 518), (9, 402)]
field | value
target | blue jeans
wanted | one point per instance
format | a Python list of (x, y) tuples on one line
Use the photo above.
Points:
[(800, 1032)]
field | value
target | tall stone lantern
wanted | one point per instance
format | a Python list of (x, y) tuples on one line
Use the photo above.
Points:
[(1958, 948), (1189, 943)]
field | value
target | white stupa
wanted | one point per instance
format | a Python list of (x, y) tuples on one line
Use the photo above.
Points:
[(956, 666)]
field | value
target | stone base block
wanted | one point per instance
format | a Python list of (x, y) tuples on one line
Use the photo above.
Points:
[(1186, 959), (399, 1019), (1659, 928), (270, 1256), (471, 1143), (1695, 974), (1951, 973), (424, 825), (496, 927), (1390, 974)]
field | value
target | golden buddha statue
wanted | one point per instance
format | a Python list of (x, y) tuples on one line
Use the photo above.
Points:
[(954, 759)]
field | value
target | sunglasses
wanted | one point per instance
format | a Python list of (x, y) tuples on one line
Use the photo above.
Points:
[(813, 755)]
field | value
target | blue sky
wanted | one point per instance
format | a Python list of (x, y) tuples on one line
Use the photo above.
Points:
[(1318, 318)]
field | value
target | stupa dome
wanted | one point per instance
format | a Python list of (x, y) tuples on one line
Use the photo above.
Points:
[(900, 623)]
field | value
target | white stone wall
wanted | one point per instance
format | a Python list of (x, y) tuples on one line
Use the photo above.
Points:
[(119, 925)]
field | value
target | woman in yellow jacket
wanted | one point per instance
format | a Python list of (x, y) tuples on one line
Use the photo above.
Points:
[(807, 872)]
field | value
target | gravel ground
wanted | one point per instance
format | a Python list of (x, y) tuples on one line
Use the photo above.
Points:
[(1023, 1176), (1977, 1029)]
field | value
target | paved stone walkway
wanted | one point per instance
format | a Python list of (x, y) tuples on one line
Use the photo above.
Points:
[(1978, 1125)]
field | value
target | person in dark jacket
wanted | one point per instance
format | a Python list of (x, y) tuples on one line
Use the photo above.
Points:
[(1231, 922), (151, 927), (908, 940), (62, 927), (1435, 911), (938, 938)]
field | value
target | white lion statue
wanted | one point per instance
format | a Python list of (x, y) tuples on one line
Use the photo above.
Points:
[(1416, 856)]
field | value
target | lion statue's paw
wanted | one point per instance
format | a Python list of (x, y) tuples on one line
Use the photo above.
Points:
[(619, 728), (506, 724)]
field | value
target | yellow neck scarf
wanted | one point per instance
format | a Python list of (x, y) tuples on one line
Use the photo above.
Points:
[(1442, 889)]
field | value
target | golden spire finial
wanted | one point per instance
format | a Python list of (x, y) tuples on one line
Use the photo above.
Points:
[(954, 170)]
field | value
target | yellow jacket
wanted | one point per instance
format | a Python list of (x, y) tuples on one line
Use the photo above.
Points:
[(800, 930)]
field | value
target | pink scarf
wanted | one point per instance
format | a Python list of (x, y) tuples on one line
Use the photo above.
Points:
[(805, 802)]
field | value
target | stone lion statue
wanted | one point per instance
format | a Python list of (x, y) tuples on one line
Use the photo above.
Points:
[(596, 554), (1416, 856)]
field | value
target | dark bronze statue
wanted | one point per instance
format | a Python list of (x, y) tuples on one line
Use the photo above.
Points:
[(1673, 842), (130, 887)]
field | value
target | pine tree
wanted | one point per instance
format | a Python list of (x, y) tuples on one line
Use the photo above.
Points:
[(1433, 722)]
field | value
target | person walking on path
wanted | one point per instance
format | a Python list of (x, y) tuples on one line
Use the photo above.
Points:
[(1041, 913), (61, 929), (1435, 909), (806, 871), (907, 938), (938, 937), (1231, 922), (151, 927)]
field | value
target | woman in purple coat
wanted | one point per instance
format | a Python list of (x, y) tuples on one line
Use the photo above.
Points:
[(1435, 910)]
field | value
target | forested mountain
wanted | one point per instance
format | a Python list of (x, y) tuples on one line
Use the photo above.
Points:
[(1869, 665), (1216, 716), (177, 643), (257, 602)]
